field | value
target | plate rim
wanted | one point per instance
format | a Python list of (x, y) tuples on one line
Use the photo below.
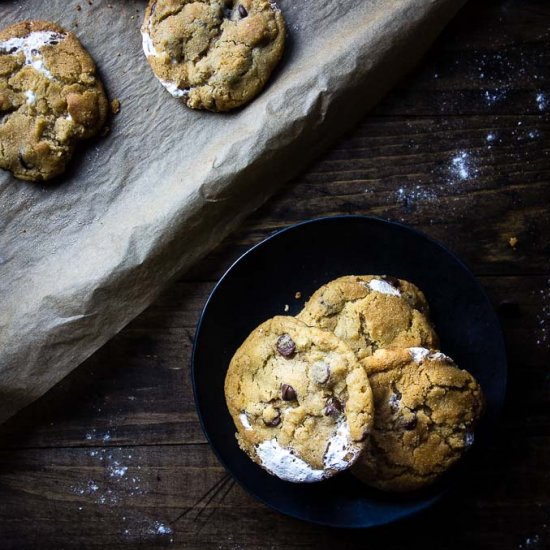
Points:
[(429, 502)]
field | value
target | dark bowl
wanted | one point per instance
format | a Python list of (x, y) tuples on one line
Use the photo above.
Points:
[(301, 258)]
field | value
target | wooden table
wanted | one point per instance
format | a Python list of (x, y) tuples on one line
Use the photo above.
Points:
[(114, 456)]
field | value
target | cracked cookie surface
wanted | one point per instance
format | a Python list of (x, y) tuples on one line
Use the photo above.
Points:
[(370, 312), (300, 400), (50, 98), (426, 410), (213, 54)]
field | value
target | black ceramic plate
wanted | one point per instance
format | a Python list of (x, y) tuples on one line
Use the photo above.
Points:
[(302, 258)]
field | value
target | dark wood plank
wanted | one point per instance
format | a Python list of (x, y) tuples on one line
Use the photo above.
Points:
[(492, 59), (435, 174), (121, 496)]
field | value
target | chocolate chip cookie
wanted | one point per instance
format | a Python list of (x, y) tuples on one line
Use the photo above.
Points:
[(370, 312), (50, 99), (213, 54), (426, 410), (300, 400)]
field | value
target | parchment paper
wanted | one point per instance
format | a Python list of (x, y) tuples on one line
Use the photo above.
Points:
[(81, 257)]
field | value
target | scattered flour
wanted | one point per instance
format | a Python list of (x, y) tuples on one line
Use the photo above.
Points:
[(95, 435), (142, 528), (462, 166), (415, 194), (542, 101), (543, 318), (115, 483), (494, 96), (119, 479), (533, 542)]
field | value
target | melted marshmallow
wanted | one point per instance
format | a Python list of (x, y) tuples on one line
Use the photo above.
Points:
[(419, 354), (148, 46), (281, 462), (31, 97), (30, 47), (150, 51), (173, 89), (341, 452), (383, 287), (244, 421), (438, 356)]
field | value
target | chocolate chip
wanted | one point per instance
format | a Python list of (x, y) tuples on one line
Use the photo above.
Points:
[(286, 346), (333, 407), (54, 42), (410, 424), (23, 162), (275, 421), (242, 11), (288, 393), (12, 50)]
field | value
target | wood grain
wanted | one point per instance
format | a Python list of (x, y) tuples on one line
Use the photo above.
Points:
[(114, 455)]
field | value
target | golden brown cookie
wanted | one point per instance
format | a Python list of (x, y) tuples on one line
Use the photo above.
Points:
[(213, 54), (300, 400), (50, 98), (426, 410), (370, 312)]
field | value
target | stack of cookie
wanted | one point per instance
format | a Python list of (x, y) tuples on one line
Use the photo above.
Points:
[(353, 381)]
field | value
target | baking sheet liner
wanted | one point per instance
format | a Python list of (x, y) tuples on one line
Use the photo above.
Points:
[(82, 256)]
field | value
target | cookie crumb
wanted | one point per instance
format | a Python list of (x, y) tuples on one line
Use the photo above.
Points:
[(78, 8), (513, 242), (286, 308), (115, 106), (298, 295)]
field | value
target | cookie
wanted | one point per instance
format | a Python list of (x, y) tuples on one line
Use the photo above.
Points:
[(300, 400), (50, 99), (370, 312), (213, 54), (426, 410)]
